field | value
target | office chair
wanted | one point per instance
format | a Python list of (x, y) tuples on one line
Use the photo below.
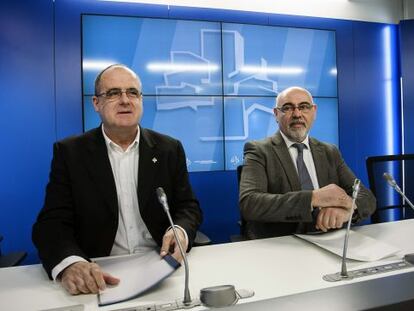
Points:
[(12, 259), (201, 239), (390, 205), (241, 222)]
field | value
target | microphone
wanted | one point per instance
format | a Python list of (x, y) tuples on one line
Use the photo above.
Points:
[(162, 198), (215, 296), (408, 260), (355, 188), (391, 181)]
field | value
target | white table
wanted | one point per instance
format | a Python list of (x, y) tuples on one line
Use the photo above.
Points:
[(273, 267)]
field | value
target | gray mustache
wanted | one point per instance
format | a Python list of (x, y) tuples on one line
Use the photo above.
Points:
[(297, 122)]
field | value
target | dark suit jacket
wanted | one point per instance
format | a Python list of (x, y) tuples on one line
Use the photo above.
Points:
[(80, 213), (271, 200)]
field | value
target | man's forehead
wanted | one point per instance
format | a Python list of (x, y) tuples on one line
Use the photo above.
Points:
[(116, 72), (119, 75), (296, 97)]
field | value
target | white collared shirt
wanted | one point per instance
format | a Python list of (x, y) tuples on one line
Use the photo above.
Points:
[(307, 157), (132, 235)]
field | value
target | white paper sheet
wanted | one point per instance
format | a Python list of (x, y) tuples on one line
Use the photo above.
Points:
[(137, 272), (360, 247)]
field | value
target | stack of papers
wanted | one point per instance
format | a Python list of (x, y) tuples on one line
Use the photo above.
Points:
[(360, 247), (137, 273)]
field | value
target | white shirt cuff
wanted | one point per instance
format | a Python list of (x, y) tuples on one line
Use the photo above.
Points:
[(64, 264)]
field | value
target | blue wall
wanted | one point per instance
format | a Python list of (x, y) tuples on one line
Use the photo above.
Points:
[(27, 116), (41, 66)]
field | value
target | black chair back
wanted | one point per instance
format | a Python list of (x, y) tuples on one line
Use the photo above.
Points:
[(11, 259), (390, 205)]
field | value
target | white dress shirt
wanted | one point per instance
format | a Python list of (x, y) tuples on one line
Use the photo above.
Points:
[(132, 235)]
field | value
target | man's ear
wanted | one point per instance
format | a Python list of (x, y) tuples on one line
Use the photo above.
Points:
[(95, 103), (275, 112)]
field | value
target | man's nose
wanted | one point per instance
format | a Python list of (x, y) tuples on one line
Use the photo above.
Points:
[(124, 98), (296, 112)]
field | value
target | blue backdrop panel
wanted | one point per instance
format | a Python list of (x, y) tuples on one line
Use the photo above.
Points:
[(185, 59), (219, 196), (264, 60), (193, 126), (27, 120), (375, 105)]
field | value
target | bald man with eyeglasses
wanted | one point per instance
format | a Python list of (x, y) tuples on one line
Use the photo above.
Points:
[(293, 183), (101, 197)]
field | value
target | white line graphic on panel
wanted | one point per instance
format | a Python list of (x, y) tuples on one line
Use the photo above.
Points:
[(189, 103), (246, 114), (188, 73)]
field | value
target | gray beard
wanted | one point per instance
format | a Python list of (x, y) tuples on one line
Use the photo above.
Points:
[(297, 135)]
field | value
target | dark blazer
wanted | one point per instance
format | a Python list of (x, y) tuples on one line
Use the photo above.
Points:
[(271, 200), (80, 213)]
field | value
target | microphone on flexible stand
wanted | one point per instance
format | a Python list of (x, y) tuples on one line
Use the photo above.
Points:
[(213, 297), (355, 188), (407, 262), (391, 181), (162, 197)]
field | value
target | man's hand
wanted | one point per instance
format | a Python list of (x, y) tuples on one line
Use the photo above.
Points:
[(85, 278), (170, 245), (331, 195), (332, 218)]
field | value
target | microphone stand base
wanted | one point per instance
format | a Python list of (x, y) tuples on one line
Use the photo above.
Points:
[(355, 274), (409, 258), (346, 276), (165, 306), (187, 305), (179, 303)]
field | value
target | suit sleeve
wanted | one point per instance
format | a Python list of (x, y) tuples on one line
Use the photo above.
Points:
[(258, 202), (365, 201), (54, 231), (187, 213)]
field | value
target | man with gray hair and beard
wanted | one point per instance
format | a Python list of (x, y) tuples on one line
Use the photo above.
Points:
[(293, 183)]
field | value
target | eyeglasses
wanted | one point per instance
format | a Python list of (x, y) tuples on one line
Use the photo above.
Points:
[(116, 93), (290, 108)]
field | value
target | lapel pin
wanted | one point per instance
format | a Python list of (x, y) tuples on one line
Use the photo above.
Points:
[(154, 160)]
